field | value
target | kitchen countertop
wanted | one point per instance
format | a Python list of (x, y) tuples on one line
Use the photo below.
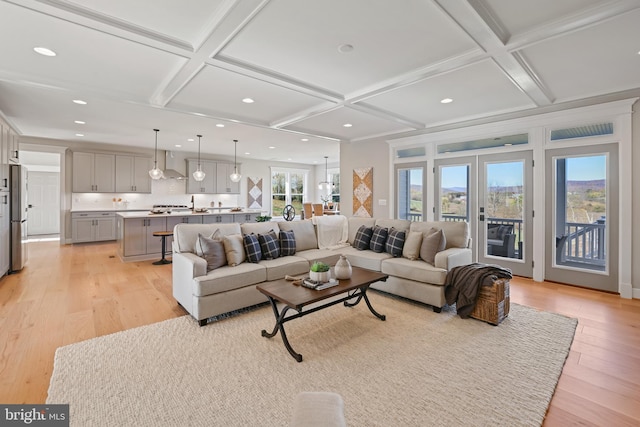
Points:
[(211, 211)]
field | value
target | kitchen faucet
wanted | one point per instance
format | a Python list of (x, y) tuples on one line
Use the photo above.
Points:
[(193, 205)]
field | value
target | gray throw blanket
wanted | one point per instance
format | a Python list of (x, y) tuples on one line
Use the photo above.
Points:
[(463, 283)]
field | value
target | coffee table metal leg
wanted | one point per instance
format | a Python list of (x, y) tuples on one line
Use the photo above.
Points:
[(363, 294), (279, 326)]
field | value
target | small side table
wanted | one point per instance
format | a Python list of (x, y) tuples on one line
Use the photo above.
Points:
[(163, 235)]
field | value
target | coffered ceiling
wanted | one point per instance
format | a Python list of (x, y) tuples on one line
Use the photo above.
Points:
[(311, 67)]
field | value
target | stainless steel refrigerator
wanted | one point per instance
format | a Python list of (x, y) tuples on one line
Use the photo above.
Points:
[(18, 216)]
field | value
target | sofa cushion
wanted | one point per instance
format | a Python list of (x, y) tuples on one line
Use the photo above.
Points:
[(287, 240), (354, 225), (412, 270), (278, 268), (378, 239), (185, 236), (304, 232), (269, 245), (398, 224), (412, 243), (328, 256), (363, 238), (395, 242), (259, 227), (212, 250), (364, 259), (234, 249), (252, 247), (228, 278), (433, 242), (456, 232)]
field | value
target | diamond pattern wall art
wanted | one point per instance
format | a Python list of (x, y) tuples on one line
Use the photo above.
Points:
[(254, 194), (363, 192)]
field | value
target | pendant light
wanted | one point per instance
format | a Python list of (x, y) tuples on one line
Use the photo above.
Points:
[(235, 176), (156, 173), (325, 185), (198, 175)]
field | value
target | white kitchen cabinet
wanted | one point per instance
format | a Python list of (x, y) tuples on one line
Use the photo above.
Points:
[(132, 174), (245, 217), (217, 219), (93, 226), (172, 221), (93, 172), (206, 186), (138, 238), (224, 185), (4, 159)]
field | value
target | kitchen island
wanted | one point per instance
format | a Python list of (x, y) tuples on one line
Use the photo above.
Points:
[(134, 230)]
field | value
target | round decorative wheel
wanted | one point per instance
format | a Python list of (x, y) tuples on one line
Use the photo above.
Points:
[(289, 213)]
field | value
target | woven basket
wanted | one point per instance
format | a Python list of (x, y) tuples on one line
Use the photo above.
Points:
[(493, 302)]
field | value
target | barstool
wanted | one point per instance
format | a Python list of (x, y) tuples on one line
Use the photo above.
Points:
[(163, 235)]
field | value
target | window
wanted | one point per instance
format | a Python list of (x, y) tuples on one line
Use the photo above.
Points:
[(287, 188), (334, 178), (410, 192)]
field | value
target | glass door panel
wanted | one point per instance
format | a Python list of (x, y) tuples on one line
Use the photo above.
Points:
[(454, 193), (581, 244), (411, 186), (505, 211)]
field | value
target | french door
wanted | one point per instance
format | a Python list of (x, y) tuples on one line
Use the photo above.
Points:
[(582, 216), (494, 193)]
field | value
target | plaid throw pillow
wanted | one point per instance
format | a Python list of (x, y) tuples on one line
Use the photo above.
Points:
[(378, 239), (252, 247), (269, 245), (395, 242), (287, 243), (363, 238)]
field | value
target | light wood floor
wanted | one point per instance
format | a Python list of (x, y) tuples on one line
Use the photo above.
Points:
[(72, 293)]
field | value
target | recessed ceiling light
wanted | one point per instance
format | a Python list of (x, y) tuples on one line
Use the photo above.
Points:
[(271, 147), (198, 114), (79, 134), (178, 145), (220, 125), (248, 101), (289, 159), (80, 122), (44, 51), (347, 125), (345, 48), (446, 100), (247, 153), (190, 139), (304, 139), (80, 101)]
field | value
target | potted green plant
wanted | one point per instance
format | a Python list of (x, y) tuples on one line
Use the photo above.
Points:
[(263, 218), (319, 272)]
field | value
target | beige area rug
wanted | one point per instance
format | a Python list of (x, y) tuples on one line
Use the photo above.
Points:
[(417, 368)]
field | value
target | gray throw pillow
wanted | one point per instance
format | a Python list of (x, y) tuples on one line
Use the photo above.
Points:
[(433, 241), (212, 250)]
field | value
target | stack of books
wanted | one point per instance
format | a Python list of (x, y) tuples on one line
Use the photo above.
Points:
[(318, 286)]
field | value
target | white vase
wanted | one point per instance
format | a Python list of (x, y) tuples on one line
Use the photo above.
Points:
[(343, 268), (319, 276)]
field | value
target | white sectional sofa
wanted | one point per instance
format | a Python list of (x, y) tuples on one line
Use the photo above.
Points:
[(230, 287)]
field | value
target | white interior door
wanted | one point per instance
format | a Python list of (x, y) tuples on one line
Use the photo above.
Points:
[(44, 203)]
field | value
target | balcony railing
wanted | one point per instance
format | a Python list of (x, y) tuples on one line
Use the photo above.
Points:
[(583, 245)]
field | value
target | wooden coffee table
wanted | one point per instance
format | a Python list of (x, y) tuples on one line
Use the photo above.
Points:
[(298, 297)]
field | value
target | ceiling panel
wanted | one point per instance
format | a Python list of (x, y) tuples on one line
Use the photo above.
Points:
[(175, 18), (477, 90), (217, 91), (300, 40), (597, 60), (520, 16), (86, 59), (331, 124)]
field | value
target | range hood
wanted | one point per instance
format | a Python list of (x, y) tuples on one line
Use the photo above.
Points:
[(175, 166)]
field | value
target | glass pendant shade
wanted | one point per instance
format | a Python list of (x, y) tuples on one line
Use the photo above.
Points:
[(156, 173), (199, 175), (325, 185), (235, 176)]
